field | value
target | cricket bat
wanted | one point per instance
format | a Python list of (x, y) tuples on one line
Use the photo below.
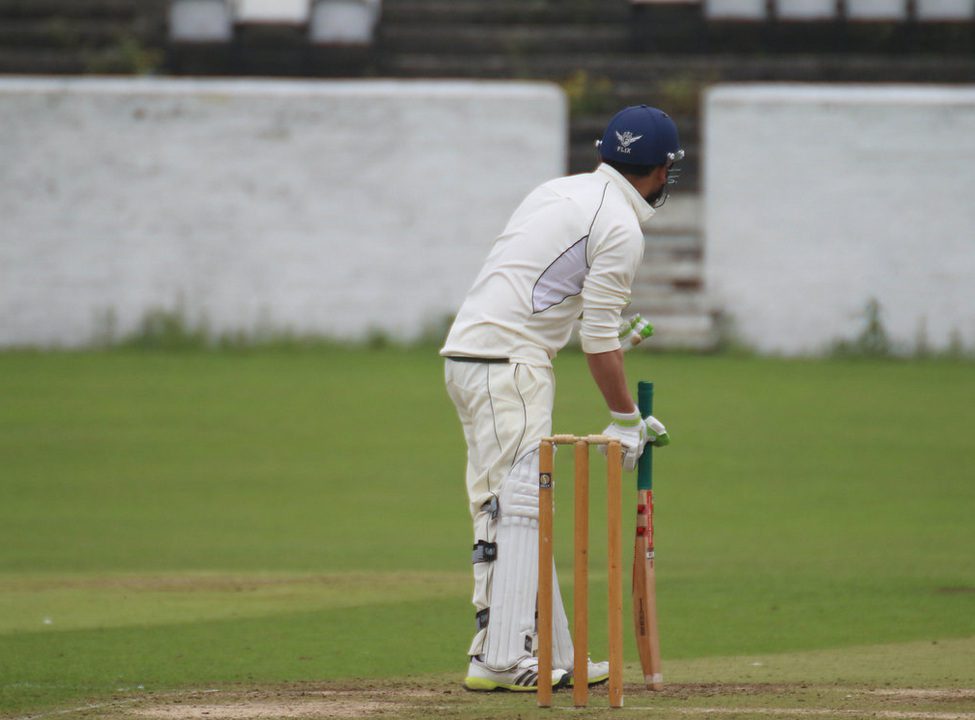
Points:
[(644, 575)]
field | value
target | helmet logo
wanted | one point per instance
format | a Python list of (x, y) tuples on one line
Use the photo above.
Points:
[(626, 139)]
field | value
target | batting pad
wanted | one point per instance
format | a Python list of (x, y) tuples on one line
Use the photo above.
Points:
[(511, 628), (562, 650), (486, 530), (513, 584), (510, 634)]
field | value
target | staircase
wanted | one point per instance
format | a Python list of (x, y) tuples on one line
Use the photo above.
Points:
[(605, 54), (82, 36), (584, 45), (668, 289), (587, 48)]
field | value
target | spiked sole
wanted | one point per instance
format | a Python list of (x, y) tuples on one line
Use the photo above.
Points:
[(479, 684), (483, 684), (598, 680)]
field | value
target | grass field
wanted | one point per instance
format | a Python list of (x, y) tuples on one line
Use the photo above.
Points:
[(284, 534)]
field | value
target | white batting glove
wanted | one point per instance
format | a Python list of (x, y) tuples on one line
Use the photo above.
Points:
[(633, 331), (656, 432), (634, 432), (631, 431)]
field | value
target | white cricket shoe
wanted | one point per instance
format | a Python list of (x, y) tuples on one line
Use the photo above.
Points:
[(523, 677), (598, 673)]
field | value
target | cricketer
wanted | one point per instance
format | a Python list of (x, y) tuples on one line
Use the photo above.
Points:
[(571, 249)]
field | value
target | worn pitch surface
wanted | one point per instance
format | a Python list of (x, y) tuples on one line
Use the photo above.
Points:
[(288, 529)]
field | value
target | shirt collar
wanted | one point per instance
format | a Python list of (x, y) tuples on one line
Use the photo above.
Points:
[(639, 204)]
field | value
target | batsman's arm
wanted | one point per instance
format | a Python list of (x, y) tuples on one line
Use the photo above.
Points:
[(607, 371)]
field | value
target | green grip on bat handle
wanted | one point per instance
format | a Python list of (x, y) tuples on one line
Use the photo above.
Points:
[(644, 471)]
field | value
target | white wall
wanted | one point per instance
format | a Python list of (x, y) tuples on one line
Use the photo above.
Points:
[(328, 208), (819, 198)]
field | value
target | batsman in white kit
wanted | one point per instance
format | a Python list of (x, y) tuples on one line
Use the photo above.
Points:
[(570, 250)]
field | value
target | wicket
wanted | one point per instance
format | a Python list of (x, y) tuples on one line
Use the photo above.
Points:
[(614, 499)]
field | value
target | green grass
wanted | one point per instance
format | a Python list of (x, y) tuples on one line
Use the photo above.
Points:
[(184, 519)]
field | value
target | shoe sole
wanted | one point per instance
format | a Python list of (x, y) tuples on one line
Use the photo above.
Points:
[(598, 680), (477, 684)]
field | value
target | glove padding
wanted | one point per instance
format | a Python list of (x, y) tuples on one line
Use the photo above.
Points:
[(656, 432), (634, 432), (633, 331)]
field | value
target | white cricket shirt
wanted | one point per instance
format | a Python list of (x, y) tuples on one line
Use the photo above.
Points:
[(571, 248)]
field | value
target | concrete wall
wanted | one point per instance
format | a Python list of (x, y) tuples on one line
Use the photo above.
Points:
[(819, 198), (328, 208)]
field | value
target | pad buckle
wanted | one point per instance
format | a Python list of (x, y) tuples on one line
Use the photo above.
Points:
[(484, 552), (491, 506)]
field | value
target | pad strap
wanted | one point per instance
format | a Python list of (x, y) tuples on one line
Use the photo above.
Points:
[(484, 552), (491, 507)]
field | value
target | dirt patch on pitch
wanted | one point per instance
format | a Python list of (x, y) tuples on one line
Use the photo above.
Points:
[(948, 694), (289, 704), (326, 707), (705, 690), (440, 698), (857, 714)]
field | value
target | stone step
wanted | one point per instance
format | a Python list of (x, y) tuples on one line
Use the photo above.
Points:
[(682, 98), (663, 272), (59, 32), (658, 302), (669, 286), (679, 321), (406, 12), (42, 61), (286, 38), (682, 219), (679, 274), (471, 39), (673, 242), (78, 9), (681, 332), (726, 68)]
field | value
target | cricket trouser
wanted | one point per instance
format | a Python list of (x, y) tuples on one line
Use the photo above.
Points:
[(505, 409)]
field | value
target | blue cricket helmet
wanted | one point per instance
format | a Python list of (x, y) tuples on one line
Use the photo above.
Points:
[(641, 135)]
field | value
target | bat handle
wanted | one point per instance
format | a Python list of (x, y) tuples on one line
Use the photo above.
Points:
[(644, 472)]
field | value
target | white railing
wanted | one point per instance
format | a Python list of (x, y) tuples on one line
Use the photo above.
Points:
[(819, 10), (327, 21)]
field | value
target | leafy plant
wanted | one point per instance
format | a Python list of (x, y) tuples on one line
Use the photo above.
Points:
[(873, 340), (127, 55), (588, 95)]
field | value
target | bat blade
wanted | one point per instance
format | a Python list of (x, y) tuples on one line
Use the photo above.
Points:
[(645, 595), (644, 573)]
